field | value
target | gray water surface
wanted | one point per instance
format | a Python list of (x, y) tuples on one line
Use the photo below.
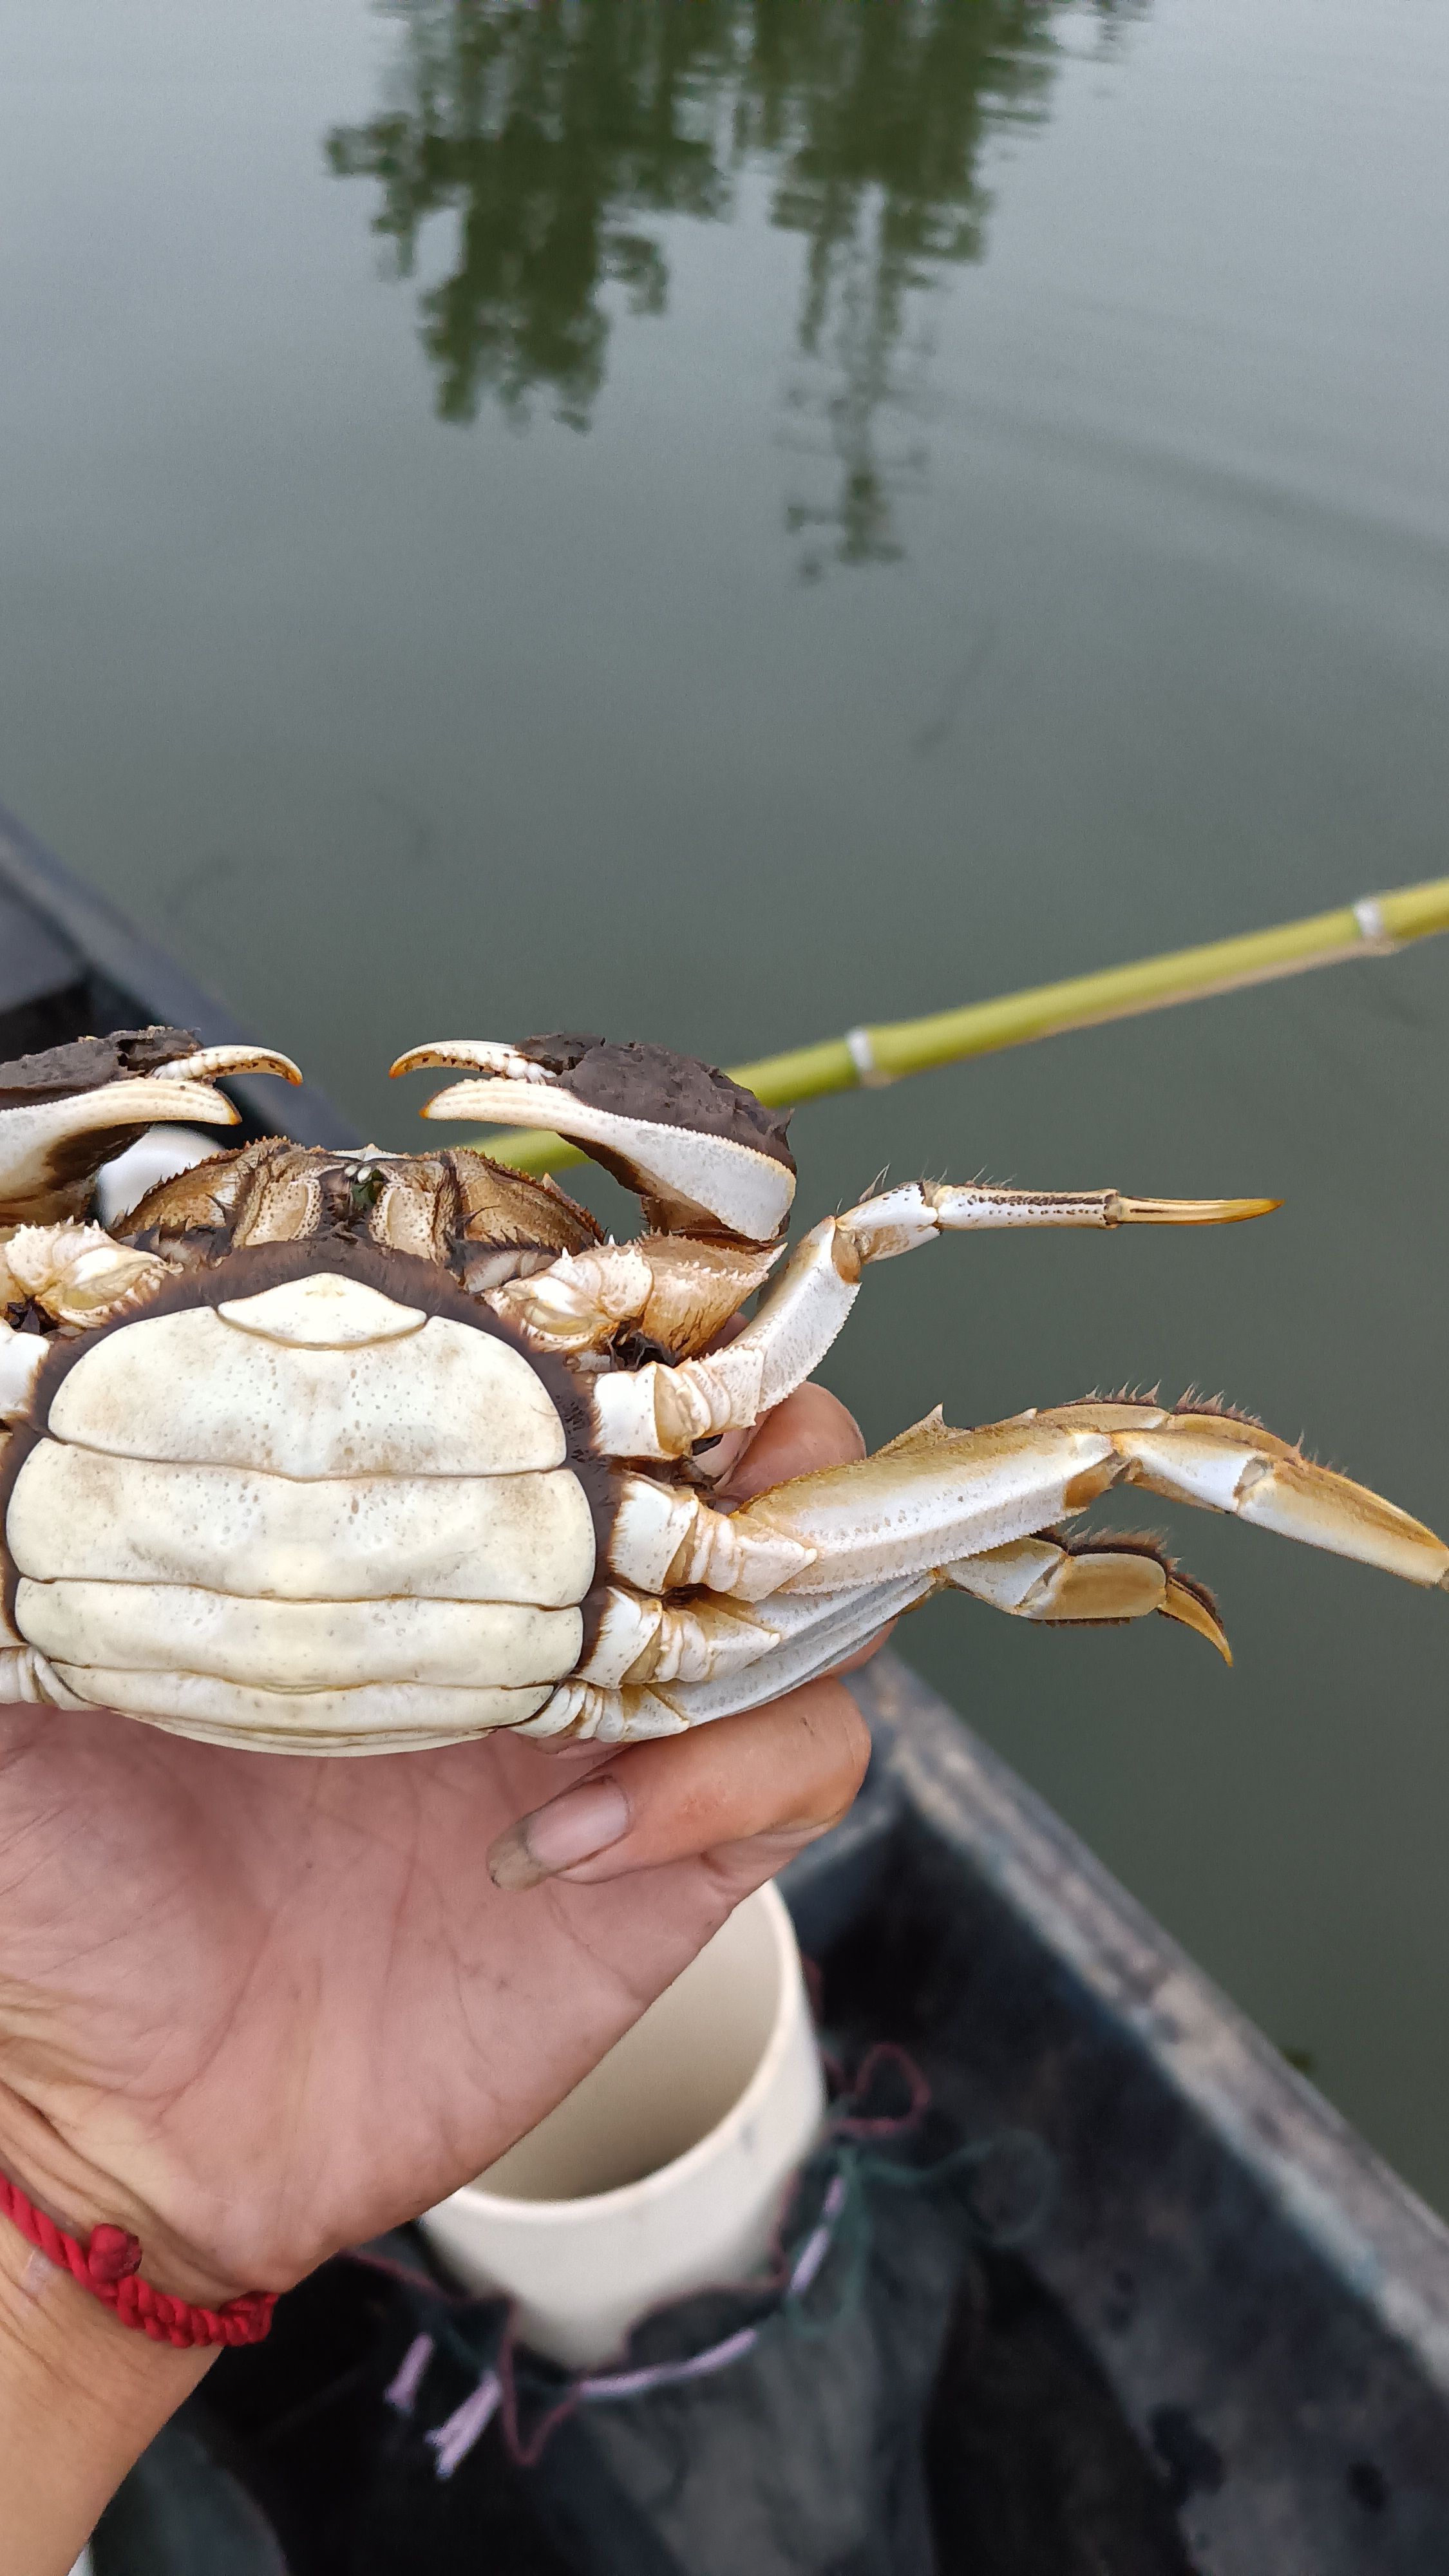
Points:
[(722, 522)]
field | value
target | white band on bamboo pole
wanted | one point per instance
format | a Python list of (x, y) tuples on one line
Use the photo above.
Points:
[(862, 1056), (1368, 912)]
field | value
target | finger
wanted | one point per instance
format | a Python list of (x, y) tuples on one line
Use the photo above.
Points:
[(811, 1429), (784, 1773)]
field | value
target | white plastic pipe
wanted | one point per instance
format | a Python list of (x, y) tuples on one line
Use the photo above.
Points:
[(665, 2169)]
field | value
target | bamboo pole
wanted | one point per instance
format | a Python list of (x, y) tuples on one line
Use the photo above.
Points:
[(1374, 927)]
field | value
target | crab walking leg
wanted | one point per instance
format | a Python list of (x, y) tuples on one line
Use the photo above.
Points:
[(1226, 1462), (667, 1538), (655, 1669), (929, 1498), (969, 1509), (801, 1641), (1078, 1581), (640, 1640), (899, 1219), (663, 1412), (936, 1496)]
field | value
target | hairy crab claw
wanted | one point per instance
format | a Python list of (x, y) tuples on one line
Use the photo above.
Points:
[(354, 1452), (701, 1152), (69, 1110)]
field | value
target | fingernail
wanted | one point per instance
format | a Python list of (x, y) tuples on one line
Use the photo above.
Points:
[(569, 1829)]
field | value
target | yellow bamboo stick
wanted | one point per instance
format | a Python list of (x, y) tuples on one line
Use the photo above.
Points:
[(1374, 927)]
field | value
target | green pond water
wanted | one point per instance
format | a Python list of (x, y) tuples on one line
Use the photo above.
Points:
[(720, 523)]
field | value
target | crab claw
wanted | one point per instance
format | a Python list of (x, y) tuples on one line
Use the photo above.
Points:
[(69, 1110), (703, 1154), (490, 1056)]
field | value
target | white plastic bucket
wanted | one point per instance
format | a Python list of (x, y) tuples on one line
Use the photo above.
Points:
[(666, 2168)]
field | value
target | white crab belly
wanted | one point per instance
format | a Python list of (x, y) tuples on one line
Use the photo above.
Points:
[(312, 1520)]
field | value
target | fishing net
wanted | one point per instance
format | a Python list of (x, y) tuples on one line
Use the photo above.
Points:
[(778, 2428), (897, 2398)]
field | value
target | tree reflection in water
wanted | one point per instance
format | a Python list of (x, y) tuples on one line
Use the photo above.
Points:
[(561, 135)]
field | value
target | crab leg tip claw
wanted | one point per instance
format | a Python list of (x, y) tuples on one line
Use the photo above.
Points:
[(1125, 1211), (1184, 1602)]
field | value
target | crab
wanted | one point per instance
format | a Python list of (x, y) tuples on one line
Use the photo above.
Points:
[(355, 1452)]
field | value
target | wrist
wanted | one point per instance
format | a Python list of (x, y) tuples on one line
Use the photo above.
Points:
[(80, 2398), (80, 2195)]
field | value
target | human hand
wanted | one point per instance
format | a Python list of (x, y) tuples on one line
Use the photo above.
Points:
[(255, 2008)]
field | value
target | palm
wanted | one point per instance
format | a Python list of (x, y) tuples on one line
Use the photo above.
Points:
[(280, 2001)]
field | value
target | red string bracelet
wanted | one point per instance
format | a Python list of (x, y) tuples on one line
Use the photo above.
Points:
[(109, 2266)]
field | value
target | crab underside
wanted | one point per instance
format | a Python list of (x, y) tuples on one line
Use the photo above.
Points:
[(353, 1452)]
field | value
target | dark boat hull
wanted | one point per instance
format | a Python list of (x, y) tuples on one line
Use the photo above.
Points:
[(1269, 2303)]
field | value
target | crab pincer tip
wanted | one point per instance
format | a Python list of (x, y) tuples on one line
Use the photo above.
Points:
[(269, 1060)]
